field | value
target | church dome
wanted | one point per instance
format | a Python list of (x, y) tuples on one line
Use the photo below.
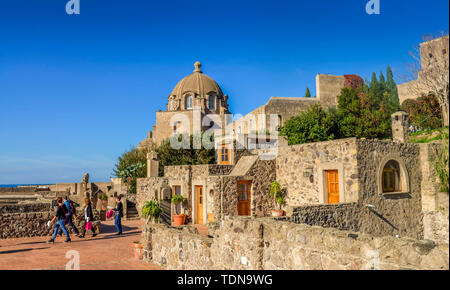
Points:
[(197, 83)]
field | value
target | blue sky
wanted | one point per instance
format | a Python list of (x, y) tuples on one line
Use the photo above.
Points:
[(76, 91)]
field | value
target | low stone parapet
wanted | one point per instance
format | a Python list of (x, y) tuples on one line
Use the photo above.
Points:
[(19, 225), (30, 220), (242, 243), (176, 247)]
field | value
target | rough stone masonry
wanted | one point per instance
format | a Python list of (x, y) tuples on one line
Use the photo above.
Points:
[(243, 243)]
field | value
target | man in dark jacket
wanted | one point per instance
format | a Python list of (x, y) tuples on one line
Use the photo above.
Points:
[(60, 218), (118, 212)]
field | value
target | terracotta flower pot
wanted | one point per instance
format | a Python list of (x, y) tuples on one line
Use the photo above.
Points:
[(179, 219), (277, 213), (137, 248)]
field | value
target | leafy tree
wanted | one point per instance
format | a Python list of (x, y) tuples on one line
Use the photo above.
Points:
[(308, 93), (132, 164), (362, 113), (170, 156), (312, 125), (424, 112)]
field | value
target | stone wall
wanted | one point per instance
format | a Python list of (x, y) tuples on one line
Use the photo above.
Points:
[(300, 170), (261, 174), (340, 216), (242, 243), (390, 214), (435, 204), (30, 224), (328, 88), (18, 189), (148, 188), (180, 248), (30, 220), (24, 208)]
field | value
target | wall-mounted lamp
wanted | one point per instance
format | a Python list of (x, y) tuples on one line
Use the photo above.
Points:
[(308, 173)]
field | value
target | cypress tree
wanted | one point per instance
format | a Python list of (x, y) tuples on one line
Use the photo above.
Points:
[(382, 80), (308, 93), (391, 87)]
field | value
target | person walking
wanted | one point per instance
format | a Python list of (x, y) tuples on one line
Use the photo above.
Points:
[(60, 218), (69, 215), (118, 212), (88, 217)]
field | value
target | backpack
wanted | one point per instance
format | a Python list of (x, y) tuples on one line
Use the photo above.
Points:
[(72, 210)]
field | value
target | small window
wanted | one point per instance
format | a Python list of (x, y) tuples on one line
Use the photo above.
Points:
[(391, 179), (280, 122), (224, 155), (430, 55), (177, 189), (188, 102), (444, 51), (212, 102), (177, 127)]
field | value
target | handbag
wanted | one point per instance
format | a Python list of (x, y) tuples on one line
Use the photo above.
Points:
[(109, 214), (88, 226)]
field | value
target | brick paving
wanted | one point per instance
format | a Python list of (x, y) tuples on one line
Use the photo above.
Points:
[(104, 252)]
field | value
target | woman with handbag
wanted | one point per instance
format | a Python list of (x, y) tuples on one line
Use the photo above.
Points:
[(88, 218)]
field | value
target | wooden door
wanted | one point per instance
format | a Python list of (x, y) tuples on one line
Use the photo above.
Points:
[(332, 186), (243, 197), (200, 202)]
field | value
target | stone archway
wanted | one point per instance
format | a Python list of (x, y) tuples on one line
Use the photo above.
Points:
[(404, 175)]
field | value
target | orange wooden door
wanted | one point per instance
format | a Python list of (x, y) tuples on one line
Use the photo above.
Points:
[(243, 197), (332, 186), (200, 201)]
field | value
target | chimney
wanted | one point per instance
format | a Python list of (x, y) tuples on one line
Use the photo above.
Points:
[(400, 127), (152, 164)]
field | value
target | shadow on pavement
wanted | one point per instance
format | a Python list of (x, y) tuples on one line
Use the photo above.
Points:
[(21, 250)]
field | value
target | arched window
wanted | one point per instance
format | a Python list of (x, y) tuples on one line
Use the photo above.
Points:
[(177, 127), (280, 122), (188, 102), (391, 178), (212, 102)]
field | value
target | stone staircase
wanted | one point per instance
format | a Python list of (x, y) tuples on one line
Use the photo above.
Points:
[(132, 213)]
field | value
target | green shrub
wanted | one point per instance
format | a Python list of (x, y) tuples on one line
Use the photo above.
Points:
[(312, 125), (152, 210), (170, 156), (442, 164), (424, 113), (176, 199), (276, 192)]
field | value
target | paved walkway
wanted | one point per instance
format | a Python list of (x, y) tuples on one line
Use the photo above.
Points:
[(104, 252)]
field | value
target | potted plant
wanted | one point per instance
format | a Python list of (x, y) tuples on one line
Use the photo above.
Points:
[(276, 192), (104, 199), (152, 210), (178, 218)]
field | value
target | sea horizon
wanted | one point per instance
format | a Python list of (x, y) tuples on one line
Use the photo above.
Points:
[(17, 185)]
